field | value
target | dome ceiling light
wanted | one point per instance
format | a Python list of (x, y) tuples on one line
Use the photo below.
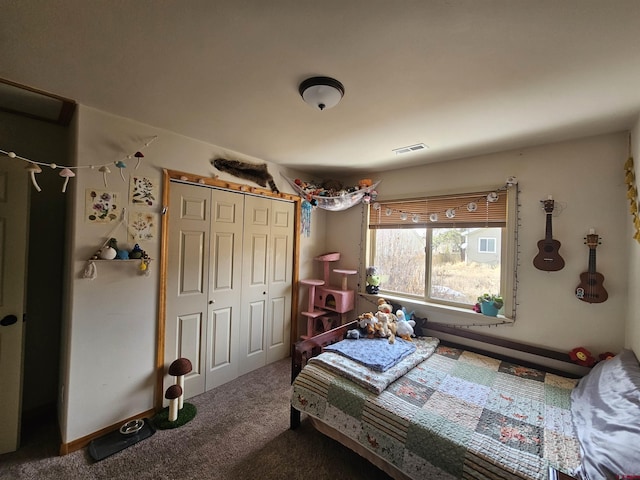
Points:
[(321, 92)]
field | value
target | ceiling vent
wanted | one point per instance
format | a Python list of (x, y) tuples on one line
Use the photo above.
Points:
[(410, 148)]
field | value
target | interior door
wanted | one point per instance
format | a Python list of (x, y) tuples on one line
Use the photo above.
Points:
[(225, 287), (267, 277), (255, 283), (187, 308), (14, 214), (278, 331)]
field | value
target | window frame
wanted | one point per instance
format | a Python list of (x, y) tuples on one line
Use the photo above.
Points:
[(508, 261)]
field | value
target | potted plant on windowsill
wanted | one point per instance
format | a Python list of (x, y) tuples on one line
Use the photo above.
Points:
[(489, 304)]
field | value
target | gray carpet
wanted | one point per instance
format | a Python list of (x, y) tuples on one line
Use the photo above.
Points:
[(241, 431)]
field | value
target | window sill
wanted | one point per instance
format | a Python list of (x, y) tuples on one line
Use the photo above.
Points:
[(436, 312)]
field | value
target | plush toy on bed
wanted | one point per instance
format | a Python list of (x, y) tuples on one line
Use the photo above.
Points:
[(354, 334), (367, 322), (404, 327), (387, 321)]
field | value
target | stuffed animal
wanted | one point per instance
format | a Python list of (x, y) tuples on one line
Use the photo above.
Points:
[(386, 321), (373, 280), (368, 322), (420, 328), (404, 328), (354, 334)]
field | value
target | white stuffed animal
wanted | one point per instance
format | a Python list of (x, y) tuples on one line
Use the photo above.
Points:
[(404, 328)]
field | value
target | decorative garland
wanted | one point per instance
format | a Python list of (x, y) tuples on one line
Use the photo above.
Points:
[(450, 213), (632, 195), (66, 172)]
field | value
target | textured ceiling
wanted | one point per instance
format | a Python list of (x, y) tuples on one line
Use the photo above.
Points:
[(464, 77)]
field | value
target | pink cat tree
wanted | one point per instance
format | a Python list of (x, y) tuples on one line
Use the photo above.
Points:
[(328, 303)]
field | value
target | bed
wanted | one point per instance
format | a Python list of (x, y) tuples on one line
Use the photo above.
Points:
[(447, 413)]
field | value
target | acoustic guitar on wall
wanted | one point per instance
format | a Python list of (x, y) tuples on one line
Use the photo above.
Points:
[(548, 258), (590, 288)]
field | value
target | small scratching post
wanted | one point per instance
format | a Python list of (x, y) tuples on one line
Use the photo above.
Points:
[(179, 368), (173, 394), (179, 412)]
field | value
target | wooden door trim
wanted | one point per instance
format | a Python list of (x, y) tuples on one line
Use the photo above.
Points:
[(167, 177)]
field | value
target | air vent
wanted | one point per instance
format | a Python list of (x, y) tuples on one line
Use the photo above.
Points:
[(410, 148)]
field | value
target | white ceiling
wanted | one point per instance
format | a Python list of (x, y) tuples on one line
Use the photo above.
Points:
[(465, 77)]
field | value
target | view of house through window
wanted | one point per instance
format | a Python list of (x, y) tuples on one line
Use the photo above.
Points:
[(451, 261), (460, 267)]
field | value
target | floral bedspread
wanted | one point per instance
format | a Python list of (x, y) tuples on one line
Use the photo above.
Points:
[(455, 415)]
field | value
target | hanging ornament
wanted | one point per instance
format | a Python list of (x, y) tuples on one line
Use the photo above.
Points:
[(306, 218), (388, 212), (121, 165), (433, 217), (33, 169), (472, 206), (415, 218), (376, 206), (66, 174), (403, 216), (104, 169), (492, 197), (450, 213), (139, 156)]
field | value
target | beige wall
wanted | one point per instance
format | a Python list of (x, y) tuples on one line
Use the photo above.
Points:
[(110, 334), (586, 178)]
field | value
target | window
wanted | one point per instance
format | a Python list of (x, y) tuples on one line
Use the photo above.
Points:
[(487, 245), (446, 250)]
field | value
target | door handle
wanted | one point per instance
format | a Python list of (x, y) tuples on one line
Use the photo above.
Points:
[(8, 320)]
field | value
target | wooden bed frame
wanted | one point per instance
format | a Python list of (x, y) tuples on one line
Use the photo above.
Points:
[(304, 350)]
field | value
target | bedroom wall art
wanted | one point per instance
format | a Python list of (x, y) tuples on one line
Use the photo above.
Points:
[(66, 171)]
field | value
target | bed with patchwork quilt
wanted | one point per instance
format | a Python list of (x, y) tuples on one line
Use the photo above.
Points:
[(447, 413)]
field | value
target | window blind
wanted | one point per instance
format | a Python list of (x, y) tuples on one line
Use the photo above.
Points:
[(466, 210)]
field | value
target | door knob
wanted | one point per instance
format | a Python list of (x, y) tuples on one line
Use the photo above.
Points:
[(8, 320)]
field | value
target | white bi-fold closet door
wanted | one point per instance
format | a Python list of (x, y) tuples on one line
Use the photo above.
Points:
[(229, 276)]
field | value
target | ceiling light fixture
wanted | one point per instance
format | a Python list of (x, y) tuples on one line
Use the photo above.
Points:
[(321, 92)]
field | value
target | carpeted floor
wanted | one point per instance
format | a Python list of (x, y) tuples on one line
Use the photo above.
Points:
[(241, 431)]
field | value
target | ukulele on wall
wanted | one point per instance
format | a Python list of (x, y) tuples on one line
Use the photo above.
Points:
[(548, 258), (591, 289)]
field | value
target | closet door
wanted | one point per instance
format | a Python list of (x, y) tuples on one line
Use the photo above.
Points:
[(257, 220), (278, 331), (187, 306), (225, 287), (267, 273)]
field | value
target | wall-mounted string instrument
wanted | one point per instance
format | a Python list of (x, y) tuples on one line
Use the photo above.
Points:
[(590, 288), (548, 258)]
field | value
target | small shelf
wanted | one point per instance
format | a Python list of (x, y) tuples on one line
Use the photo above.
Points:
[(118, 260)]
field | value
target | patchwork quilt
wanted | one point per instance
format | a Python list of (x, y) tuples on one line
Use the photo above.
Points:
[(455, 415)]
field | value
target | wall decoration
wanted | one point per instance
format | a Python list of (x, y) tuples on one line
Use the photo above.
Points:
[(306, 209), (100, 206), (632, 194), (142, 226), (257, 173), (143, 191), (33, 167)]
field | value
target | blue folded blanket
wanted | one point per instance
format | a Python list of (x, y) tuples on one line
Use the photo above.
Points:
[(376, 353)]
